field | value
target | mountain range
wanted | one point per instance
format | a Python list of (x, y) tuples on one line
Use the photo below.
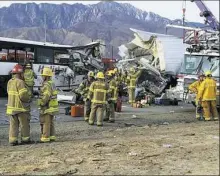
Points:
[(79, 24)]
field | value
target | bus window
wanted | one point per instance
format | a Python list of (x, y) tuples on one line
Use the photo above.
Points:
[(44, 55)]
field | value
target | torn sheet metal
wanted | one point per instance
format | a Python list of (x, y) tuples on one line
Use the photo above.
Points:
[(66, 97), (157, 54), (168, 51)]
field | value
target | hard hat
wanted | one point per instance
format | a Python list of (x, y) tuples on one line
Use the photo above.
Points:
[(17, 69), (47, 72), (109, 73), (113, 72), (91, 74), (100, 75), (28, 66), (207, 73)]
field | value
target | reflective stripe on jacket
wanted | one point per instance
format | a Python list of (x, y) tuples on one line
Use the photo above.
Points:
[(113, 90), (48, 99), (29, 77), (18, 97), (98, 92), (207, 90)]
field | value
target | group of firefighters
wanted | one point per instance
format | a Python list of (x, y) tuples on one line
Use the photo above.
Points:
[(100, 93), (205, 89), (20, 93)]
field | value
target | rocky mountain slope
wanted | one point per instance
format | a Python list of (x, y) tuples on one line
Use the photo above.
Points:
[(67, 24)]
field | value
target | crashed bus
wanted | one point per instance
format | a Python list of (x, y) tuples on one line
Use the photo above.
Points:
[(69, 64)]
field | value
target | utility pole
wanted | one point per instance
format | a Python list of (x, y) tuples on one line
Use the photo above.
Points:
[(45, 29), (184, 15)]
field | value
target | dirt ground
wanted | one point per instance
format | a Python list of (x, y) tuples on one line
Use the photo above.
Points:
[(168, 143)]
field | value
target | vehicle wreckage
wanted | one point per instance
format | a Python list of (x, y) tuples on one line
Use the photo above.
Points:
[(201, 55), (69, 64), (160, 56)]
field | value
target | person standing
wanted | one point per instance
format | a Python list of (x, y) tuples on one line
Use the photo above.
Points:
[(98, 96), (83, 91), (194, 87), (207, 97), (113, 94), (48, 106), (18, 107), (131, 82), (29, 77)]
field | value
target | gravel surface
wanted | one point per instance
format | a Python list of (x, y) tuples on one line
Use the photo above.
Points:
[(154, 140)]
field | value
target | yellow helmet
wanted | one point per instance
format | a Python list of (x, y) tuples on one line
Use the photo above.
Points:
[(207, 73), (110, 73), (47, 72), (91, 74), (113, 72), (100, 75)]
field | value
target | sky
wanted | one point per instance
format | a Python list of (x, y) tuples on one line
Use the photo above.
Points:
[(168, 9)]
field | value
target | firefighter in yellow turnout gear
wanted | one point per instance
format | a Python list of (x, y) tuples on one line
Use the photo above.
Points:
[(194, 87), (207, 96), (98, 96), (113, 95), (48, 106), (131, 83), (29, 77), (18, 107), (83, 91)]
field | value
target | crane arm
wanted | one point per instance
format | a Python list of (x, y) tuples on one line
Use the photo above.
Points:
[(207, 14)]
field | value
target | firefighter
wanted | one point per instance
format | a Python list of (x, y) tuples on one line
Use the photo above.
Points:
[(83, 91), (207, 96), (112, 91), (18, 107), (29, 77), (124, 77), (48, 106), (131, 83), (194, 87), (98, 96), (116, 76)]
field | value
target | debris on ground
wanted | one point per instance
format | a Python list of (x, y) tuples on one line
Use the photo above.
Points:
[(167, 145), (165, 123)]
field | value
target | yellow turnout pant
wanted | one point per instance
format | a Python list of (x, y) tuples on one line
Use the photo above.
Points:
[(131, 94), (96, 111), (110, 111), (22, 119), (210, 110), (87, 109), (47, 127)]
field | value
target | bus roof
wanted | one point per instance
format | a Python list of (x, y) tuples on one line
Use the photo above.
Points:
[(18, 43)]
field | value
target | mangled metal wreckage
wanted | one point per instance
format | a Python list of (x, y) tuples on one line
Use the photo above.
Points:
[(160, 56), (81, 59)]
